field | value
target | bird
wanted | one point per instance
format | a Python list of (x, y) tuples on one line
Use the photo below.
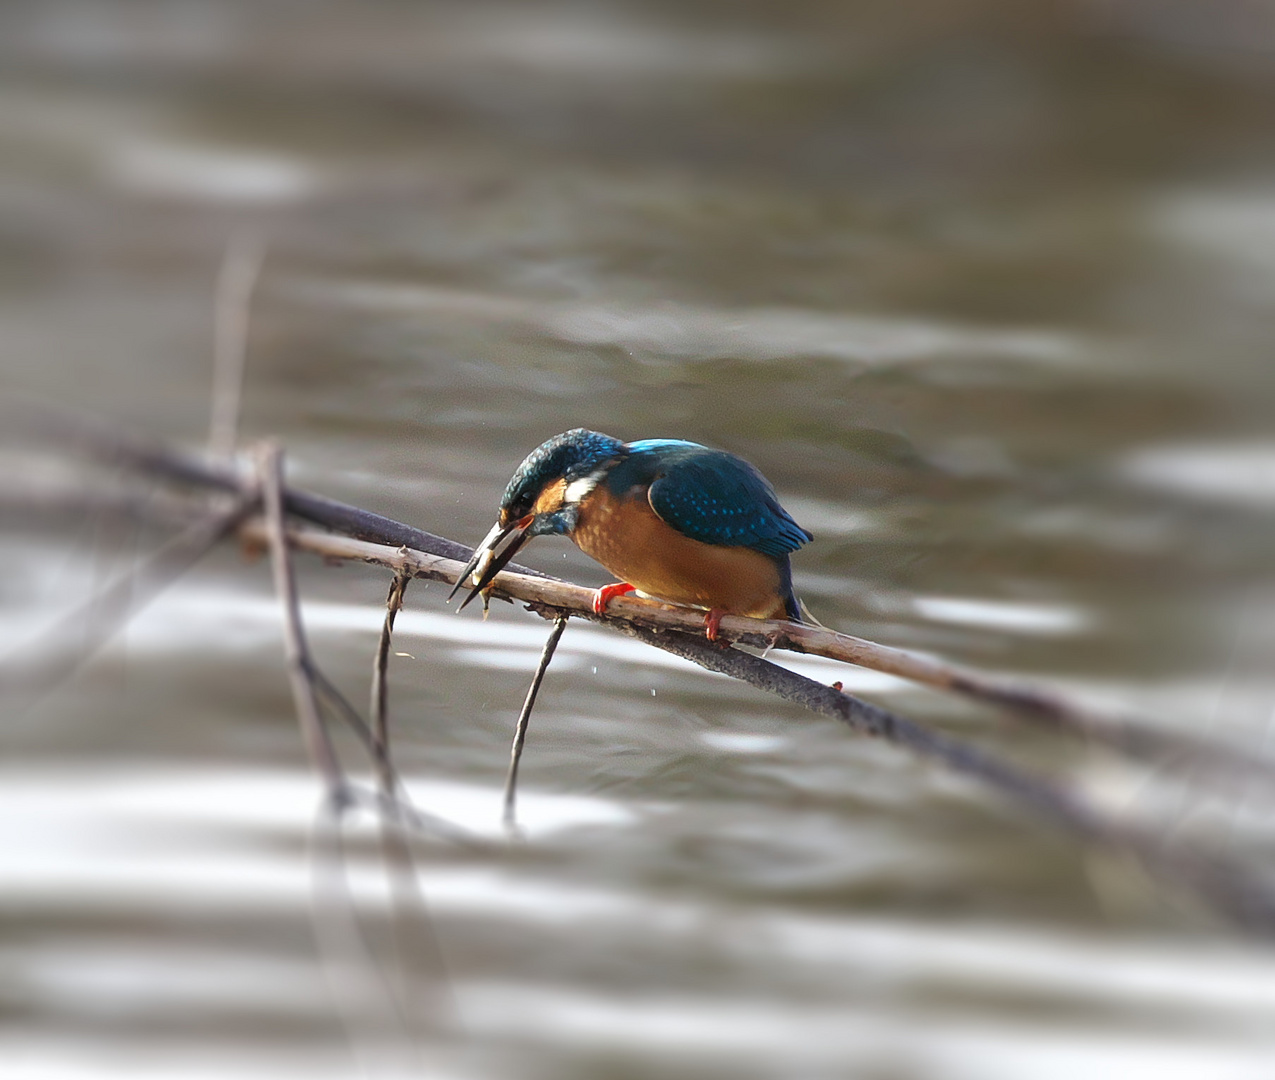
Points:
[(676, 521)]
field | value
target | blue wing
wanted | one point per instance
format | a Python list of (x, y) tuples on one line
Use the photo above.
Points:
[(718, 498)]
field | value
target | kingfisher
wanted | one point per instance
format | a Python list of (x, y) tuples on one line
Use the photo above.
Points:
[(674, 520)]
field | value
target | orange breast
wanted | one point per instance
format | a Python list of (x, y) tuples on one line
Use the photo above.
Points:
[(627, 537)]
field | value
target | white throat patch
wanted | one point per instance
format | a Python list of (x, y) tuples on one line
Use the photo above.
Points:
[(578, 490)]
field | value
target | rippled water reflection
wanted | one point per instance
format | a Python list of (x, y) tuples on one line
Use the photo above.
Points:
[(986, 293)]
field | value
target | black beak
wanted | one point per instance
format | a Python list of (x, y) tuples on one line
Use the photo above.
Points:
[(490, 557)]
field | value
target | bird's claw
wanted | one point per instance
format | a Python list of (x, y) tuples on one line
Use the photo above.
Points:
[(604, 595), (713, 623)]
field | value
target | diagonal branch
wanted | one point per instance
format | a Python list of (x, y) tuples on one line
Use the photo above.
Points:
[(1226, 885), (1229, 888), (1137, 739)]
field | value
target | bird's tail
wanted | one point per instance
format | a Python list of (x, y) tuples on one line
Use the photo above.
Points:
[(797, 611), (793, 607)]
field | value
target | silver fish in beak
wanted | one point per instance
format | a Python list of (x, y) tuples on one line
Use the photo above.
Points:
[(490, 557)]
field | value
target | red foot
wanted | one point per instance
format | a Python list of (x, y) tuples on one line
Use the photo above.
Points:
[(713, 623), (607, 593)]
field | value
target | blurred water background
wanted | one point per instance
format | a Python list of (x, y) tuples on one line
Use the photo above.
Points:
[(987, 290)]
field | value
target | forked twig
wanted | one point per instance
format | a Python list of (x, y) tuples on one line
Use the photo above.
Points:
[(524, 717), (309, 683)]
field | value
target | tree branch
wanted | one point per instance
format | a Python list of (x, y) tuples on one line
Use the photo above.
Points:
[(1224, 884), (1228, 887), (1134, 737)]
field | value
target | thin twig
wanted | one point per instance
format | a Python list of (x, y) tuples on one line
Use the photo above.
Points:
[(300, 665), (380, 686), (524, 717), (330, 693), (240, 268), (411, 924)]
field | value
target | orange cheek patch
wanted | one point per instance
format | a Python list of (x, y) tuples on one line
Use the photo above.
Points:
[(551, 498)]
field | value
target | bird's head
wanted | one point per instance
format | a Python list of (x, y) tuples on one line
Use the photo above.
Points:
[(543, 498)]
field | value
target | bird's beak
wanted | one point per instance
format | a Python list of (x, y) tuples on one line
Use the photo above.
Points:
[(490, 557)]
